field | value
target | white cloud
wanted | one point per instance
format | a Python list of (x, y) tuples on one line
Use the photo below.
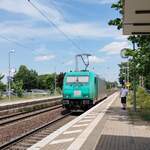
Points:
[(107, 1), (88, 30), (42, 50), (121, 37), (44, 57), (98, 1), (24, 7), (20, 32), (96, 60), (26, 30), (70, 62), (115, 47)]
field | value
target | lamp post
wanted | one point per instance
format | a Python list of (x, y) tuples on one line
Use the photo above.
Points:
[(55, 81), (109, 82), (9, 72)]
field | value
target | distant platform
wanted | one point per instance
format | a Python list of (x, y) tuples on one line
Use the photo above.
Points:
[(17, 102)]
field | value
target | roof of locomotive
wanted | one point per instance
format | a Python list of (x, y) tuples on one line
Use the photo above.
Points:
[(80, 73)]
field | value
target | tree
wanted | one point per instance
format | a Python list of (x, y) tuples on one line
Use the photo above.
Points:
[(140, 56), (2, 86), (51, 82), (59, 80), (117, 21), (28, 77), (42, 81), (18, 88)]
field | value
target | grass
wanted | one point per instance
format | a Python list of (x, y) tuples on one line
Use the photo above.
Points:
[(143, 105)]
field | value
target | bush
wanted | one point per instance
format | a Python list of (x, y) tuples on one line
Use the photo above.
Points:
[(59, 91), (143, 99), (130, 98), (2, 88), (143, 102), (18, 88)]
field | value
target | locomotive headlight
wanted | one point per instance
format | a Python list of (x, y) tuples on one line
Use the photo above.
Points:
[(66, 96), (65, 101), (85, 102), (86, 96)]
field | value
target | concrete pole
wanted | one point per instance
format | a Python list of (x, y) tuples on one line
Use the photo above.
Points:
[(9, 71), (134, 80), (128, 72), (9, 86), (55, 82)]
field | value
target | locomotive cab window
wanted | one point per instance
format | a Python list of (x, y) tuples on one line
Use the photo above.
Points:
[(71, 79), (77, 79), (83, 79)]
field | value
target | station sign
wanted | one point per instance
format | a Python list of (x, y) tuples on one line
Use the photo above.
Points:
[(136, 19)]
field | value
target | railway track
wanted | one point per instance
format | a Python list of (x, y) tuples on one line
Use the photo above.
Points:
[(20, 116), (4, 120), (28, 139)]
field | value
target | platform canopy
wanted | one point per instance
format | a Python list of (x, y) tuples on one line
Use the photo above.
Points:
[(136, 19)]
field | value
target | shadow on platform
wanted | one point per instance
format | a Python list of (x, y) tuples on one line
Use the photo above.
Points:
[(118, 114), (115, 142)]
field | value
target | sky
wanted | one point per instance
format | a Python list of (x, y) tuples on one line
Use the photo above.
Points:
[(74, 27)]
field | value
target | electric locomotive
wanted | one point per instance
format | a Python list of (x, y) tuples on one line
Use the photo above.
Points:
[(82, 89)]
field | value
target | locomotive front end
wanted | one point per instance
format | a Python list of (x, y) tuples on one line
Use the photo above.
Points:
[(76, 91)]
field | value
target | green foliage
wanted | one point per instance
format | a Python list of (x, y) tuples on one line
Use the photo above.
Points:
[(42, 81), (51, 82), (2, 86), (1, 77), (143, 99), (143, 102), (139, 57), (18, 88), (58, 90), (110, 85), (59, 81), (123, 71), (28, 77), (117, 21), (47, 81)]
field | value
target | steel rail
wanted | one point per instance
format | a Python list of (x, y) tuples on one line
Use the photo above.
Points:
[(31, 114), (16, 140)]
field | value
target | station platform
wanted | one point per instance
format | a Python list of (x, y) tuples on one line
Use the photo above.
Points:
[(17, 102), (103, 127)]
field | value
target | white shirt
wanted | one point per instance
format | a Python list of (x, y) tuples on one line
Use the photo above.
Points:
[(123, 92)]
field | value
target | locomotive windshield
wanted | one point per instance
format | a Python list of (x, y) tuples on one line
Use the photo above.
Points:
[(77, 79)]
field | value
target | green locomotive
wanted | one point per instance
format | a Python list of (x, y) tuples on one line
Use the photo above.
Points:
[(82, 89)]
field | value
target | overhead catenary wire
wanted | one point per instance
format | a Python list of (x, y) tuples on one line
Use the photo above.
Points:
[(54, 6), (14, 41), (61, 12), (55, 25)]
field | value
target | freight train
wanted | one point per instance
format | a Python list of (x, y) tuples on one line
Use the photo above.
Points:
[(82, 89)]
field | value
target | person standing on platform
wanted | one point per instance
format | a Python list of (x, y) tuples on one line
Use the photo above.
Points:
[(123, 96)]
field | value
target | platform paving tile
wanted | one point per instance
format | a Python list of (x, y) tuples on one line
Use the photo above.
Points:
[(121, 134)]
